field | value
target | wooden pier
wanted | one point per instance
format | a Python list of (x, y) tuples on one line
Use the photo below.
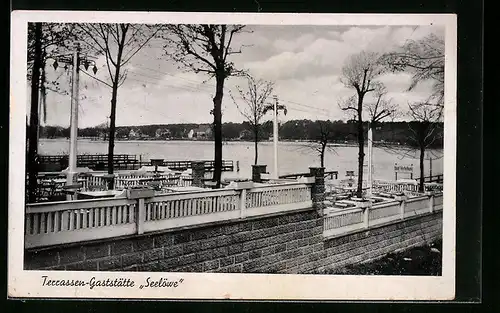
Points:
[(99, 162), (328, 175)]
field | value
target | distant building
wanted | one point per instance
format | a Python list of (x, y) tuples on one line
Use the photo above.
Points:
[(103, 135), (203, 131), (245, 135), (162, 133), (134, 134), (103, 131)]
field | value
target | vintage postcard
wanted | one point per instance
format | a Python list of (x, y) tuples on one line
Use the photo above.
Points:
[(232, 156)]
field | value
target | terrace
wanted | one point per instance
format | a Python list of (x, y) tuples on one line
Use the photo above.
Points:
[(146, 202)]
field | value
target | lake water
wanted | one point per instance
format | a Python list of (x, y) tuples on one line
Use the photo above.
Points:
[(293, 157)]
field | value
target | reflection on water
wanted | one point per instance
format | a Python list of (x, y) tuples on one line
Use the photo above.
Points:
[(294, 157)]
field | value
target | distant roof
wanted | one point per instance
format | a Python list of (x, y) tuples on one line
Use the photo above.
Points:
[(203, 129)]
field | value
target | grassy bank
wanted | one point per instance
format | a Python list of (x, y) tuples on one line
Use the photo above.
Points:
[(423, 261)]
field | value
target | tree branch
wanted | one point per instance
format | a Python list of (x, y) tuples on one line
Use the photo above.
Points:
[(97, 79)]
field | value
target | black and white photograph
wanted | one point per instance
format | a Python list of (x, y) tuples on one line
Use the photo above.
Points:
[(232, 156)]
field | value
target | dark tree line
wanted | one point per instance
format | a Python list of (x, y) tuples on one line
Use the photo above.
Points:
[(399, 133)]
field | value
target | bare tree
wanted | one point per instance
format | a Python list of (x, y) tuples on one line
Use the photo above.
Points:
[(44, 40), (324, 137), (423, 58), (255, 106), (359, 73), (381, 108), (206, 49), (425, 130), (32, 167), (321, 134), (119, 43)]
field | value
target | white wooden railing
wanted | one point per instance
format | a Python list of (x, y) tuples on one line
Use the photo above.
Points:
[(123, 180), (392, 186), (94, 183), (396, 187), (264, 200), (53, 223), (349, 220)]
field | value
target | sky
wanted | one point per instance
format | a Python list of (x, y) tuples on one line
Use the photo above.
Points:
[(304, 62)]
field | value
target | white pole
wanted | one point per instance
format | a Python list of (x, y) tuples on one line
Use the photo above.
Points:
[(430, 169), (275, 137), (39, 119), (370, 160), (74, 119)]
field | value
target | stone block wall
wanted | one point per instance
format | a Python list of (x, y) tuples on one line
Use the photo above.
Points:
[(288, 243)]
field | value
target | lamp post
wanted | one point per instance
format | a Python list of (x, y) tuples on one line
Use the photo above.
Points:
[(75, 60), (276, 107), (70, 179), (370, 160), (275, 136)]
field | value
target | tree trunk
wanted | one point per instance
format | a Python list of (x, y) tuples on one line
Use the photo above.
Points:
[(361, 147), (422, 178), (219, 93), (112, 126), (112, 116), (256, 143), (322, 155), (34, 122)]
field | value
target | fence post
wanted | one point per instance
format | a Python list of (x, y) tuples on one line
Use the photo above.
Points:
[(256, 171), (366, 216), (431, 202), (243, 203), (140, 216), (318, 188), (402, 205)]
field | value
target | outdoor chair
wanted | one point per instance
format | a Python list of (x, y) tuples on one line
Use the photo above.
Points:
[(210, 184), (156, 185), (97, 187), (72, 190)]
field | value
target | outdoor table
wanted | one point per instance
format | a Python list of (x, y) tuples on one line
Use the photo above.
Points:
[(55, 184), (210, 184), (347, 202), (51, 174), (187, 188), (129, 181), (99, 194)]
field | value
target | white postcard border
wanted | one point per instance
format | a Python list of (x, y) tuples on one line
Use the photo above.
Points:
[(22, 283)]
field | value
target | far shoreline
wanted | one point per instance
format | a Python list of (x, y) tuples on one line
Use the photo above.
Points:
[(185, 140)]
